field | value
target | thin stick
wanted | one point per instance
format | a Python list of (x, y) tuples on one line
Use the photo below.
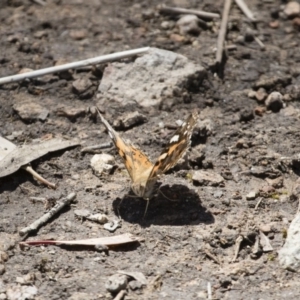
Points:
[(77, 64), (47, 216), (178, 10), (222, 32), (245, 9), (96, 147), (120, 295), (39, 177)]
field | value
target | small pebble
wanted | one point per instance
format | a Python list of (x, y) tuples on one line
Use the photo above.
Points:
[(177, 38), (135, 285), (99, 218), (265, 228), (292, 9), (251, 195), (78, 34), (274, 24), (188, 24), (274, 102), (2, 269), (116, 283), (261, 95), (252, 94), (102, 163), (83, 88), (113, 225), (166, 25)]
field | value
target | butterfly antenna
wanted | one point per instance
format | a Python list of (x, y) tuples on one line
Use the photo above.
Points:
[(159, 190), (118, 208), (146, 208)]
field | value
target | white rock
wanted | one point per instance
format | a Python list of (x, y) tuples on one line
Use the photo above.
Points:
[(101, 163), (150, 79), (292, 9), (289, 254), (188, 24)]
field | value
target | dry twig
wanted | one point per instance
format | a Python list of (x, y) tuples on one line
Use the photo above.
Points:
[(212, 256), (222, 32), (245, 9), (178, 10), (74, 65), (47, 216)]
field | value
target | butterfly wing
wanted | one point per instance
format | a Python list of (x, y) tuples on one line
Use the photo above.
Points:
[(136, 162), (177, 146)]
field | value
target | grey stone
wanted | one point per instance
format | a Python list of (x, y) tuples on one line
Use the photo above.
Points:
[(30, 111), (150, 79), (202, 177)]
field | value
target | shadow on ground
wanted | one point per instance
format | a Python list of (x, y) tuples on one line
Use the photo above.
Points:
[(182, 208)]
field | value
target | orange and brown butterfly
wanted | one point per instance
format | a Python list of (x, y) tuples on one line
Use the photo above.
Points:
[(142, 172)]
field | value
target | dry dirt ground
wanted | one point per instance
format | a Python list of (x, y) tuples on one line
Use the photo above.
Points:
[(189, 240)]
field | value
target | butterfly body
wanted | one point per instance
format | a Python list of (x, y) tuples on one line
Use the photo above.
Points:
[(142, 172)]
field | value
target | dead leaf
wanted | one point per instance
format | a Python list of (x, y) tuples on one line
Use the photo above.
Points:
[(21, 156)]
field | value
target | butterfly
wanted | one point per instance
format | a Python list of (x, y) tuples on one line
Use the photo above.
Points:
[(142, 172)]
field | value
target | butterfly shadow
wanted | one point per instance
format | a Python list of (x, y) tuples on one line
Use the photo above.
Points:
[(174, 205)]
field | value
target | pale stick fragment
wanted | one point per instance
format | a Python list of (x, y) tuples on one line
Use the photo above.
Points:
[(47, 216), (178, 10), (245, 9), (40, 2), (74, 65), (222, 32), (120, 295), (238, 243), (231, 47), (209, 293), (258, 203), (39, 177), (260, 43), (38, 199)]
